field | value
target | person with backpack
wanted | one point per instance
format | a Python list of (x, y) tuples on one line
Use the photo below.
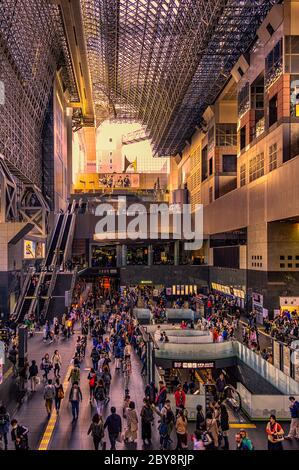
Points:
[(19, 435), (33, 376), (75, 397), (92, 379), (147, 418), (106, 377), (151, 392), (95, 356), (166, 425), (294, 426), (13, 357), (59, 394), (180, 398), (74, 375), (96, 429), (100, 396), (56, 363), (4, 425), (49, 396)]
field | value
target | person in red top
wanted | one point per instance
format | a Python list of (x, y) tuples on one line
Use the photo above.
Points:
[(275, 434), (180, 398)]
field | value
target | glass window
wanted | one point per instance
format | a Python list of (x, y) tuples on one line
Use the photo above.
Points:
[(229, 163), (204, 163), (226, 135), (272, 157), (243, 175), (273, 64), (256, 167), (243, 100)]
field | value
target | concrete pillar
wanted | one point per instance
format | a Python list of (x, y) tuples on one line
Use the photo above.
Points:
[(118, 256), (69, 131), (150, 255), (123, 255), (176, 252)]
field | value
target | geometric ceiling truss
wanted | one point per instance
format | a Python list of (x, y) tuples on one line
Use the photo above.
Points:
[(34, 209), (8, 194), (33, 47), (162, 62)]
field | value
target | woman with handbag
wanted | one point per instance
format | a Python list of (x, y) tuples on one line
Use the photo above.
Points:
[(275, 434), (132, 423), (59, 394), (181, 431)]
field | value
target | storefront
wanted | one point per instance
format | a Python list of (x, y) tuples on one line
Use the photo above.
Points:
[(289, 304), (236, 293)]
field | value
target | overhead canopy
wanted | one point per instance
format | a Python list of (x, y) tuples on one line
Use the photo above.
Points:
[(162, 62)]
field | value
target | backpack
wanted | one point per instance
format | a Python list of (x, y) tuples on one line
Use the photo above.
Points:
[(60, 393), (99, 394), (49, 392), (3, 420), (92, 381)]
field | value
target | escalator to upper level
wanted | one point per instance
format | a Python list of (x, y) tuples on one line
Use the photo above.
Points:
[(65, 236), (54, 241)]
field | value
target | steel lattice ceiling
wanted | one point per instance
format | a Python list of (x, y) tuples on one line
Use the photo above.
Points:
[(163, 61)]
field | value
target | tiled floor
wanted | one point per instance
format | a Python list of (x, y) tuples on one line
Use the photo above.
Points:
[(71, 436)]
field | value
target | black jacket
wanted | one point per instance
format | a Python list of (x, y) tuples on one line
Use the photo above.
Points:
[(113, 423)]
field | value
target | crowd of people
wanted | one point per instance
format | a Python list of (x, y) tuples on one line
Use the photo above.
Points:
[(109, 338)]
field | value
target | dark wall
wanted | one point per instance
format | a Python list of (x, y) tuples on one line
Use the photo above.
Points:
[(167, 275), (226, 256)]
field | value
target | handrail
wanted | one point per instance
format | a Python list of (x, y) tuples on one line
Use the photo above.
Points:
[(49, 294), (22, 295), (36, 293), (69, 238)]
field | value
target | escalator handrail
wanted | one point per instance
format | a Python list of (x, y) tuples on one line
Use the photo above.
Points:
[(69, 238), (22, 296), (36, 293), (52, 239)]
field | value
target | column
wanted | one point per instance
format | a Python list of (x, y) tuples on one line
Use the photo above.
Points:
[(176, 252), (150, 255), (123, 255)]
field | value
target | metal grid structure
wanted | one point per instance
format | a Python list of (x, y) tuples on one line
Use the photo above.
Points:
[(161, 62), (32, 47)]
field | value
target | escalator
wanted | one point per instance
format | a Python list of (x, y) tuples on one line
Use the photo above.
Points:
[(54, 241), (65, 238)]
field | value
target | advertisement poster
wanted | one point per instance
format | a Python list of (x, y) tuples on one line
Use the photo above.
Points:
[(257, 306), (33, 250)]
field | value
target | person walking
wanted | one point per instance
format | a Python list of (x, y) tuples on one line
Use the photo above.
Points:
[(224, 425), (212, 428), (200, 419), (13, 357), (132, 423), (19, 435), (181, 431), (294, 427), (4, 425), (33, 376), (95, 356), (75, 398), (49, 396), (114, 425), (162, 395), (275, 434), (96, 429), (147, 418), (74, 375), (59, 394), (92, 380), (56, 362), (46, 366), (100, 396), (106, 377), (180, 398)]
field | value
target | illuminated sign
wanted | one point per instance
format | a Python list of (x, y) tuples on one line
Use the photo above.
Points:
[(193, 365), (33, 249), (228, 290)]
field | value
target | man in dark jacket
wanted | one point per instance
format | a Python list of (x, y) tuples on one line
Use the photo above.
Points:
[(294, 427), (162, 396), (19, 435), (113, 423)]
